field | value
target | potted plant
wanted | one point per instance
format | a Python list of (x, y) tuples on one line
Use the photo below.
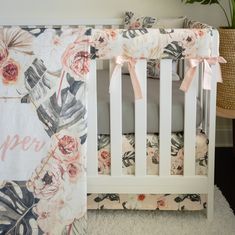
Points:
[(229, 17), (226, 90)]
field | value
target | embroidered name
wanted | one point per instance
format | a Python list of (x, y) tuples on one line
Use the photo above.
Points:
[(20, 143)]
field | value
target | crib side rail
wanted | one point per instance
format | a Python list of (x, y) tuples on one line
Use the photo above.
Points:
[(162, 183), (140, 136)]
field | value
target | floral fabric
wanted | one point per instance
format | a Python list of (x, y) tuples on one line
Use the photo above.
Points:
[(134, 21), (151, 43), (47, 69), (147, 201), (131, 21), (153, 66)]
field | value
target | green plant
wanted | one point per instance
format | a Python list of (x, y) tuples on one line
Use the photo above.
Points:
[(229, 17)]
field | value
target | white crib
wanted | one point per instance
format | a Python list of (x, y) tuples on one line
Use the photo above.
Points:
[(141, 182), (164, 182), (118, 183)]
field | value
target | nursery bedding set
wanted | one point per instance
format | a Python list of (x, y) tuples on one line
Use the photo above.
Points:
[(43, 124)]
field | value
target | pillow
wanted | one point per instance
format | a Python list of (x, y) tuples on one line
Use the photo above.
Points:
[(153, 69), (131, 21)]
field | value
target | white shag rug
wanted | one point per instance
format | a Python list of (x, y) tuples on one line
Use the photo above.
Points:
[(120, 222)]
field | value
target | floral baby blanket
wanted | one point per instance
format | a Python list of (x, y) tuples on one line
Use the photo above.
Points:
[(43, 130), (43, 122)]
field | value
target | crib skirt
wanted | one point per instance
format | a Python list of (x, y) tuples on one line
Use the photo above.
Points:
[(150, 201)]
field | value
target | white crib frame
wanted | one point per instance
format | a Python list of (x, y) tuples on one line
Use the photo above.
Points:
[(164, 182), (140, 182)]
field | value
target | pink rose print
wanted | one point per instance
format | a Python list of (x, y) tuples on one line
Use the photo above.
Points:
[(46, 216), (161, 203), (105, 155), (67, 149), (141, 197), (10, 72), (75, 60), (102, 41), (73, 171), (49, 219), (68, 145), (104, 162), (46, 180)]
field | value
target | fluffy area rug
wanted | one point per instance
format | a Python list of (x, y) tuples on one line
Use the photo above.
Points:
[(110, 222)]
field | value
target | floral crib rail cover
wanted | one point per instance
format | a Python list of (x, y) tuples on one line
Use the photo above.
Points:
[(43, 122), (148, 43)]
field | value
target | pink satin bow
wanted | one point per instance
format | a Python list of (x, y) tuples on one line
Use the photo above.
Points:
[(134, 79), (207, 72)]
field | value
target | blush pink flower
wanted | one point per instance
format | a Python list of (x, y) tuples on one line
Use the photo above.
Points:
[(103, 167), (73, 170), (102, 41), (161, 203), (67, 148), (75, 60), (10, 72), (105, 155), (46, 180), (48, 220), (68, 145), (199, 32), (104, 162)]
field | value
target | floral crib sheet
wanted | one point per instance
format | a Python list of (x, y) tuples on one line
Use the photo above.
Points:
[(43, 122), (150, 201)]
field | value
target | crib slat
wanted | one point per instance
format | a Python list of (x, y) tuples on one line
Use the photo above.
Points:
[(212, 123), (116, 124), (211, 146), (92, 157), (190, 126), (165, 116), (141, 121)]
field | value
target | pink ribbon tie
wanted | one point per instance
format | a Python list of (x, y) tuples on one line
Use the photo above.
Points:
[(134, 79), (207, 72)]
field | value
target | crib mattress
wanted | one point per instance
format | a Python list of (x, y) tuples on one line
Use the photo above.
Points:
[(150, 201), (128, 105)]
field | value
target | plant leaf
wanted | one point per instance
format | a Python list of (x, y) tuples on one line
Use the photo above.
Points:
[(16, 215), (128, 159), (71, 111), (174, 50), (132, 33), (103, 141), (204, 2)]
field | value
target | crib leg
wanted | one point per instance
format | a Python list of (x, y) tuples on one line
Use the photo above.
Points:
[(210, 205)]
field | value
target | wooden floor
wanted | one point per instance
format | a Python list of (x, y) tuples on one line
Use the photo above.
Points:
[(225, 173)]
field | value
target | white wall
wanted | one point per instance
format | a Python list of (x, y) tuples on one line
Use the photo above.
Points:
[(13, 11)]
